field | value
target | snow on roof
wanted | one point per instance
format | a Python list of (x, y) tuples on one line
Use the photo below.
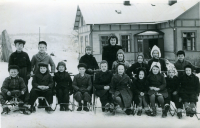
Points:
[(136, 13)]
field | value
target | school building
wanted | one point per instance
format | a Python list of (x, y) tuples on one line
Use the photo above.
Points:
[(139, 26)]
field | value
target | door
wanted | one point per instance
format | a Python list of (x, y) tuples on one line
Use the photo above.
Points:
[(161, 46), (146, 48)]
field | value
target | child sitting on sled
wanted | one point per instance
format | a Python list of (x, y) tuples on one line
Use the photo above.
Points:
[(157, 88), (120, 89), (189, 90), (63, 86), (82, 86), (102, 85), (11, 86), (42, 86)]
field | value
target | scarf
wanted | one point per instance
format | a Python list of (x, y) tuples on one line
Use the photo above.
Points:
[(41, 56)]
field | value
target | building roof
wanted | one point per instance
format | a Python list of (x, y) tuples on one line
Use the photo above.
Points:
[(136, 13)]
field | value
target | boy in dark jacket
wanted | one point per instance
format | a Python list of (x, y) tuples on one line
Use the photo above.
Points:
[(181, 63), (21, 59), (63, 86), (82, 85), (173, 85), (102, 85), (131, 71), (120, 89), (89, 60), (157, 87), (11, 84), (42, 86), (141, 89), (189, 90)]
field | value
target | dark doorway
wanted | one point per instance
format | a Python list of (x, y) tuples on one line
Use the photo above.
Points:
[(153, 42)]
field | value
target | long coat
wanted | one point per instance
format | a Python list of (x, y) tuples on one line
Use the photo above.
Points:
[(90, 61), (134, 67), (40, 79), (80, 82), (102, 79), (172, 84), (63, 80), (189, 84), (121, 85), (10, 84), (157, 81), (109, 54)]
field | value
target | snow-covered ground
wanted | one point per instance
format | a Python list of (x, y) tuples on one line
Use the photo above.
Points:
[(41, 119)]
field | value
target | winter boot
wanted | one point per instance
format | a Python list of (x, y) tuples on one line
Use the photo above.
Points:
[(188, 111), (148, 112), (139, 113), (128, 111), (85, 108), (153, 113), (80, 107), (48, 109), (62, 107), (5, 111), (107, 106), (66, 107), (179, 114), (193, 111), (164, 113), (112, 107), (33, 109)]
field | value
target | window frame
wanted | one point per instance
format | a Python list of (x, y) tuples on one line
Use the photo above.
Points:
[(126, 34), (100, 43), (195, 39)]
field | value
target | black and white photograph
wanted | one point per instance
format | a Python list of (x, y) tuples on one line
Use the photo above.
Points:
[(100, 63)]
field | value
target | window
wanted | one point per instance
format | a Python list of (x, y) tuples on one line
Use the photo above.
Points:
[(81, 41), (140, 41), (189, 41), (103, 40), (86, 41), (126, 43)]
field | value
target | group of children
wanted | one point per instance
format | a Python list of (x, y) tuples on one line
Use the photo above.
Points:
[(141, 83)]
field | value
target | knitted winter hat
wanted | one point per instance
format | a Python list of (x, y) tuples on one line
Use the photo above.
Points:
[(42, 42), (188, 66), (157, 49), (61, 64), (112, 36), (103, 62), (13, 67), (20, 41), (82, 65), (180, 52), (120, 51), (41, 64), (140, 54), (138, 71), (156, 64)]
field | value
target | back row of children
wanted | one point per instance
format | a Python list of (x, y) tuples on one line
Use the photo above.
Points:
[(112, 89)]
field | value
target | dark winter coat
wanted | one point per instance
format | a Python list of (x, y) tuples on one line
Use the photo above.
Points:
[(161, 61), (134, 67), (102, 79), (42, 79), (121, 85), (189, 84), (63, 80), (109, 54), (10, 84), (80, 82), (140, 86), (21, 59), (36, 59), (180, 66), (172, 84), (90, 61), (157, 81)]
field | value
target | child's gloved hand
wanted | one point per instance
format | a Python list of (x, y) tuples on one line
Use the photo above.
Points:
[(156, 89), (32, 73), (9, 93), (141, 93), (22, 92), (106, 87), (151, 88), (175, 93)]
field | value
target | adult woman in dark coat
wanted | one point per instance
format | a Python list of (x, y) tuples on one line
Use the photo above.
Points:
[(110, 51)]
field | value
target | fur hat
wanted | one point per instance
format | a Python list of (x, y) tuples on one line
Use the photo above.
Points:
[(82, 65), (13, 67), (180, 52), (188, 66), (61, 64), (138, 71), (41, 64), (157, 49), (42, 42), (20, 41), (157, 64), (112, 36)]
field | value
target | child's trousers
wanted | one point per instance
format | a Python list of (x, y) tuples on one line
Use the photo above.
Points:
[(106, 98), (79, 96), (62, 95)]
